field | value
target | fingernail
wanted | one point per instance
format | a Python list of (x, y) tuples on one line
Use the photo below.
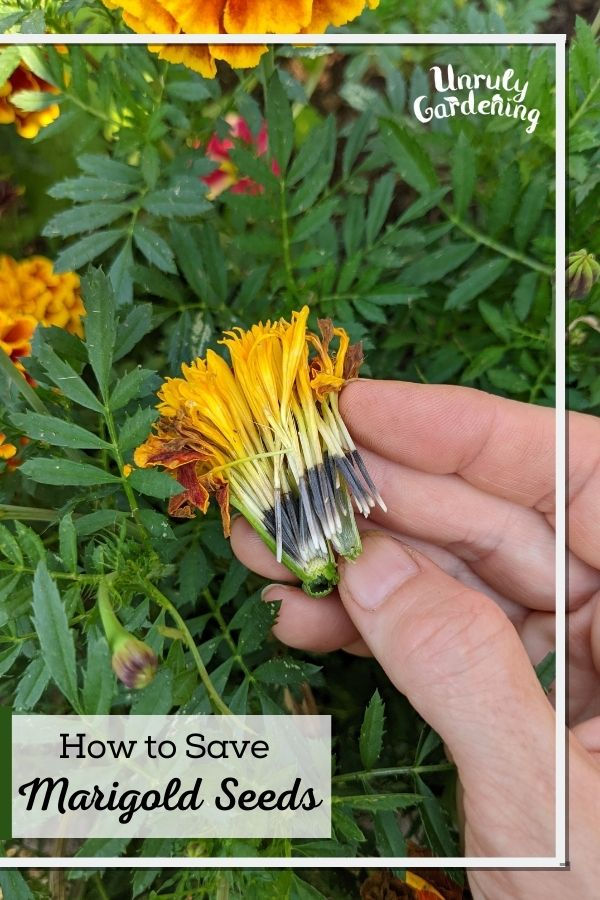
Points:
[(272, 592), (383, 566)]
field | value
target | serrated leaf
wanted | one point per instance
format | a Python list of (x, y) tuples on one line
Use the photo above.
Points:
[(411, 161), (285, 671), (87, 217), (435, 266), (31, 101), (463, 174), (121, 274), (484, 360), (58, 432), (157, 698), (132, 329), (155, 248), (524, 295), (494, 319), (100, 324), (315, 219), (103, 167), (86, 188), (67, 379), (356, 141), (96, 521), (86, 249), (98, 679), (55, 637), (379, 204), (434, 822), (32, 684), (128, 387), (64, 471), (182, 200), (67, 538), (9, 60), (136, 428), (531, 209), (279, 122), (377, 802), (9, 546), (371, 732), (476, 282)]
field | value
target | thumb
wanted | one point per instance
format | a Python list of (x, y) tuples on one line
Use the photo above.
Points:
[(460, 662)]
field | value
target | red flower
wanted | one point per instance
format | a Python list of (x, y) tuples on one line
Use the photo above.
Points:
[(219, 150)]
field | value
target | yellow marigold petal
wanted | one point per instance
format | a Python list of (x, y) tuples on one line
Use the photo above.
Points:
[(250, 16), (196, 57), (145, 16), (335, 12), (239, 56), (127, 470), (7, 451), (323, 384), (197, 18)]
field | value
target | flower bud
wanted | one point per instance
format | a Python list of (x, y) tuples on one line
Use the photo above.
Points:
[(582, 274), (134, 663)]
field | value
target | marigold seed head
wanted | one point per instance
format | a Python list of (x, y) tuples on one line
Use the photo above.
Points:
[(264, 434)]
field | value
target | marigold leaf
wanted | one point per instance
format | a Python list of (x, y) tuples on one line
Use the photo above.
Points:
[(55, 636)]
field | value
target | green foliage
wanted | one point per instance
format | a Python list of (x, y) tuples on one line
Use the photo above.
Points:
[(583, 391), (434, 246)]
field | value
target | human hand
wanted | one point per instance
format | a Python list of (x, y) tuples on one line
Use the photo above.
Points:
[(456, 588)]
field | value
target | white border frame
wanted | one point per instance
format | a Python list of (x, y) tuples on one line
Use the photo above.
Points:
[(560, 858)]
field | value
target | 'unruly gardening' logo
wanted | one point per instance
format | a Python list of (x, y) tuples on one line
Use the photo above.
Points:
[(507, 98)]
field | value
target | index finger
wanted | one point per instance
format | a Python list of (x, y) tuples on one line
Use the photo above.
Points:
[(501, 446)]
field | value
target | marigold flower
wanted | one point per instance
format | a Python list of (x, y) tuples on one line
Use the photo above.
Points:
[(231, 17), (219, 151), (27, 124), (31, 293), (265, 436), (7, 450)]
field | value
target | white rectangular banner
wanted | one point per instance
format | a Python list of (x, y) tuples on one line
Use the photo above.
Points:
[(171, 776)]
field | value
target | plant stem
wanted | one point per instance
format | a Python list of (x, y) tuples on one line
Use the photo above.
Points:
[(129, 493), (27, 513), (539, 382), (496, 245), (227, 635), (100, 888), (166, 604), (395, 771), (587, 100)]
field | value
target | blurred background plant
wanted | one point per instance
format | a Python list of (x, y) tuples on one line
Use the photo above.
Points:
[(434, 245)]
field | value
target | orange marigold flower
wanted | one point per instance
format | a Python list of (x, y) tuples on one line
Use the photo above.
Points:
[(219, 151), (231, 17), (31, 287), (32, 293), (27, 124)]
